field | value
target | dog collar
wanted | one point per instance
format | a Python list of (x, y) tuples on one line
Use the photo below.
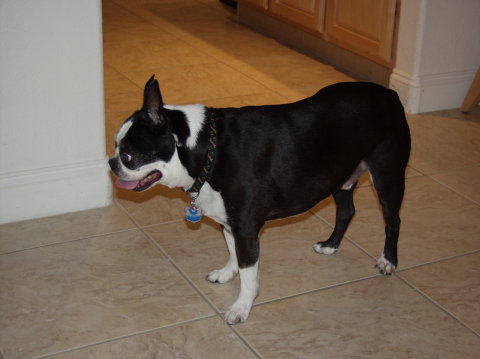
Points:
[(211, 151)]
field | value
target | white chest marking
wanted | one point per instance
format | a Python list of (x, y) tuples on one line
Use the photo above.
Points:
[(174, 173)]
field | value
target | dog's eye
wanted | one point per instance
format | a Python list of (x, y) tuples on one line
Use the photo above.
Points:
[(126, 157)]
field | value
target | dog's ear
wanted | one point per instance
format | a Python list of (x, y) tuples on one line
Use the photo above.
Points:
[(152, 100)]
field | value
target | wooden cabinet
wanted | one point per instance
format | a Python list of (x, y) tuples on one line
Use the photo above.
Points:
[(304, 13), (363, 26)]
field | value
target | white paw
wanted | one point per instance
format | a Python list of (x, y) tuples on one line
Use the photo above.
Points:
[(319, 248), (237, 314), (221, 275), (385, 266)]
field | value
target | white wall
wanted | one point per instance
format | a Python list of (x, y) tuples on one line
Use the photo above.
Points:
[(52, 132), (438, 53)]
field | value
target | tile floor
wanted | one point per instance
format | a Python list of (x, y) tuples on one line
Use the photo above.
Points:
[(128, 281)]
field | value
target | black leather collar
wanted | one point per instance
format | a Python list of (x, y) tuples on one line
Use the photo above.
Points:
[(211, 153)]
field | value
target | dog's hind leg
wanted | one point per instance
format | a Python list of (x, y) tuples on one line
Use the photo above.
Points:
[(231, 268), (388, 175), (390, 193), (344, 214)]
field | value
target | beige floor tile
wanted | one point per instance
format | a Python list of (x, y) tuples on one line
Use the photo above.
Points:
[(116, 83), (465, 181), (197, 83), (298, 92), (126, 101), (377, 318), (120, 93), (142, 55), (73, 294), (115, 17), (181, 13), (66, 227), (267, 98), (441, 144), (241, 42), (157, 205), (289, 70), (410, 172), (208, 338), (436, 223), (288, 264), (124, 27), (454, 284), (473, 115), (179, 18)]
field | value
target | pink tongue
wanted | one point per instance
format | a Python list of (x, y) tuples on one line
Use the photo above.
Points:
[(126, 184)]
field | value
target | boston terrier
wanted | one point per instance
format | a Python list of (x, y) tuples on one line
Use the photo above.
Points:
[(245, 166)]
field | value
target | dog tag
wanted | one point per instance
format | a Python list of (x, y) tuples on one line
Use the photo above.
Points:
[(193, 214)]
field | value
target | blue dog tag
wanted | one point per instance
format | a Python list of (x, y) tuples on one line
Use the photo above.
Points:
[(193, 214)]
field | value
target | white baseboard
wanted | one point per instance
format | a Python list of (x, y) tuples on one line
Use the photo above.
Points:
[(54, 190), (426, 93)]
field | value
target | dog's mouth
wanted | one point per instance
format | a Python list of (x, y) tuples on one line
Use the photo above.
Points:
[(140, 185)]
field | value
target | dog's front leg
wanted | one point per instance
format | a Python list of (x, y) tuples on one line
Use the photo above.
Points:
[(248, 249), (240, 310), (231, 268)]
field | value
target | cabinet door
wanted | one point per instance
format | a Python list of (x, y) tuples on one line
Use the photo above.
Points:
[(308, 14), (362, 26)]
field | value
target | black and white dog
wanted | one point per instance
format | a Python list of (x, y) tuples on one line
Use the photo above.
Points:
[(245, 166)]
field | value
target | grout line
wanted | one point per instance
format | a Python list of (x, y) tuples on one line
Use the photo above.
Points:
[(438, 305), (453, 189), (68, 241), (184, 275), (445, 259), (173, 221), (403, 269), (244, 340), (217, 311), (447, 171), (172, 262), (126, 336), (310, 291), (189, 281), (138, 225), (453, 169)]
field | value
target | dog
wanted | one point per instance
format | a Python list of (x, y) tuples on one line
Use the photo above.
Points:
[(245, 166)]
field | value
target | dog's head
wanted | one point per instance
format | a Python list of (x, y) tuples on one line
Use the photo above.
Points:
[(145, 148)]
